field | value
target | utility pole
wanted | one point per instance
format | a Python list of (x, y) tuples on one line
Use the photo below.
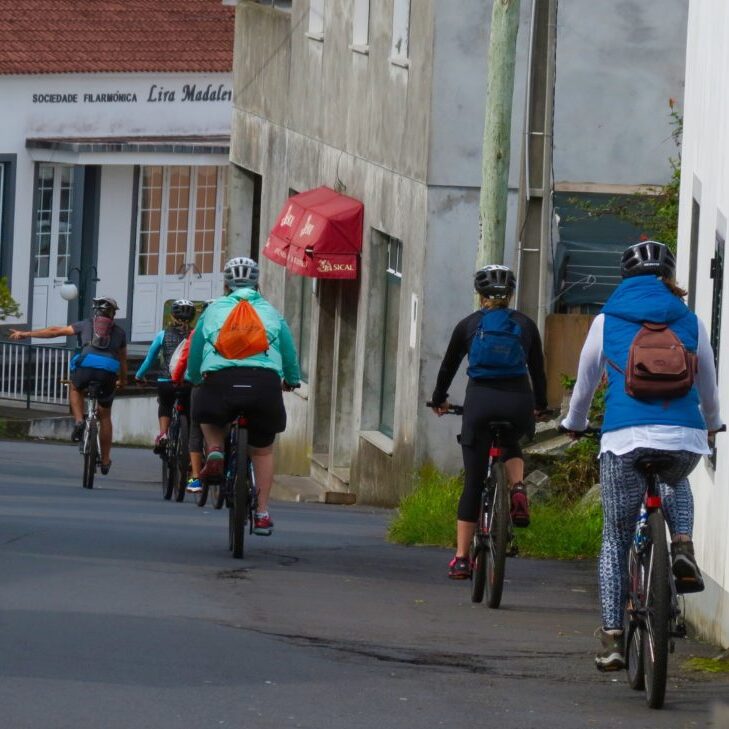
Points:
[(497, 130)]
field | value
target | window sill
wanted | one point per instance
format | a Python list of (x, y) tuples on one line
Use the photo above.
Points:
[(318, 37), (379, 440), (363, 50), (401, 62)]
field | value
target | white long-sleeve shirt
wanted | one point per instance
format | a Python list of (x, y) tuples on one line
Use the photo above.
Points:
[(665, 437)]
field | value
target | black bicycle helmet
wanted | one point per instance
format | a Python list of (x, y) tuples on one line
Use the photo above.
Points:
[(183, 310), (494, 281), (648, 258), (104, 306)]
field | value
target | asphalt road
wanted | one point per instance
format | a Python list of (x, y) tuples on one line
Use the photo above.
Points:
[(120, 610)]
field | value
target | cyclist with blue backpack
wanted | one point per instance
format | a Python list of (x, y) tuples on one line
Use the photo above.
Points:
[(506, 381)]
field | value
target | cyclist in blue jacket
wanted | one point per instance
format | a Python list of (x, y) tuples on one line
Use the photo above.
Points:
[(634, 428), (165, 343)]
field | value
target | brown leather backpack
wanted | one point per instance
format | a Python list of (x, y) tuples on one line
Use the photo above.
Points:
[(659, 366)]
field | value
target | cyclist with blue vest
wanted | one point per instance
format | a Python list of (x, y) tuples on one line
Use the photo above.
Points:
[(251, 386), (635, 427), (102, 359), (506, 381), (165, 343)]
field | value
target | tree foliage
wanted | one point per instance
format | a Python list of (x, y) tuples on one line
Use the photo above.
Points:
[(8, 305)]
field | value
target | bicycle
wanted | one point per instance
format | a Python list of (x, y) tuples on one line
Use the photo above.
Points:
[(176, 456), (239, 486), (493, 539), (90, 446)]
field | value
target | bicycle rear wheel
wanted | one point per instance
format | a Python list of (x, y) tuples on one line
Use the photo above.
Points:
[(182, 457), (201, 496), (217, 495), (477, 555), (634, 639), (91, 454), (170, 456), (239, 505), (656, 631), (498, 536)]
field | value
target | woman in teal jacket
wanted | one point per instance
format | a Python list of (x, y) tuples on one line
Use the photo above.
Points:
[(251, 386)]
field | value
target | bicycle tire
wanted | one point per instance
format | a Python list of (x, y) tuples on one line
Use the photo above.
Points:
[(170, 456), (239, 508), (90, 454), (166, 492), (656, 633), (634, 638), (182, 456), (217, 496), (498, 536), (478, 568), (201, 496)]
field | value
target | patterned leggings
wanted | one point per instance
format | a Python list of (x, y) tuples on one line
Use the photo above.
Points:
[(622, 489)]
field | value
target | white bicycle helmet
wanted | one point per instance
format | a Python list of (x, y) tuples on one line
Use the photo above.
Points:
[(241, 272)]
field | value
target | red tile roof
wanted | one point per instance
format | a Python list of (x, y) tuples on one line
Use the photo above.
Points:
[(115, 36)]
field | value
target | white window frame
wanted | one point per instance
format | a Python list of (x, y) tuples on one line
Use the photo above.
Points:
[(400, 50), (316, 20), (361, 26)]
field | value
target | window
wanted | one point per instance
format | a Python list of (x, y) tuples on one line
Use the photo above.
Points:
[(400, 30), (717, 274), (181, 220), (53, 200), (383, 324), (316, 19), (298, 306), (693, 253), (284, 5), (7, 212), (361, 24)]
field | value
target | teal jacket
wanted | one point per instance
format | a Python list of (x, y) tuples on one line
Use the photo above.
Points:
[(281, 355)]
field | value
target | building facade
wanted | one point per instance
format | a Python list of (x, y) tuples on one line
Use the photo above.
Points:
[(113, 155), (384, 100), (704, 209)]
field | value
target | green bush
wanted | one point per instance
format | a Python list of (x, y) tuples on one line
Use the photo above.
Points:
[(427, 516), (576, 472)]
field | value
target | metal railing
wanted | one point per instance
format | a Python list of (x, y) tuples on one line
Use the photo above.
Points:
[(34, 373)]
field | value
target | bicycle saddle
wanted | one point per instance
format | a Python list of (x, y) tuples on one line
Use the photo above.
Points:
[(501, 425), (653, 463)]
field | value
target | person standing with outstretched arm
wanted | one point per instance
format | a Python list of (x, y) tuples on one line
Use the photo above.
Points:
[(635, 427)]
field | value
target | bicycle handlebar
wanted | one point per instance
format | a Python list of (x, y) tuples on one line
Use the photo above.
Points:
[(452, 409)]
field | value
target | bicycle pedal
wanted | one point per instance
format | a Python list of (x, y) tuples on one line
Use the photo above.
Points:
[(679, 631), (513, 551)]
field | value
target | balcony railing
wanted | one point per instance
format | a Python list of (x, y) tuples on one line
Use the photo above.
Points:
[(34, 373)]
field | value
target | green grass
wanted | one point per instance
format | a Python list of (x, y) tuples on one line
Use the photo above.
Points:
[(428, 517), (708, 665)]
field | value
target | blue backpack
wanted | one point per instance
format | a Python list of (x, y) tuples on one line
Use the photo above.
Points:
[(496, 349)]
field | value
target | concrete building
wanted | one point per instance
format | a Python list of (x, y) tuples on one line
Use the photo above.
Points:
[(114, 142), (704, 210), (383, 100)]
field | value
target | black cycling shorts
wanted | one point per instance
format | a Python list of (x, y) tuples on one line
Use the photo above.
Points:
[(252, 392), (82, 376), (167, 392)]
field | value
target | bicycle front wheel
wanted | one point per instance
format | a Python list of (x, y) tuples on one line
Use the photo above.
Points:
[(498, 537), (656, 632), (182, 457), (239, 508), (91, 454)]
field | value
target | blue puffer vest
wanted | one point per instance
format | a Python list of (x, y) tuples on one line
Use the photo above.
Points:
[(639, 299)]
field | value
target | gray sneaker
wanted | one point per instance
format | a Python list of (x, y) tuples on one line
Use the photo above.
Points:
[(685, 570), (611, 656)]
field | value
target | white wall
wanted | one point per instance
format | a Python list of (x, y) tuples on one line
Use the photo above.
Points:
[(27, 111), (705, 175)]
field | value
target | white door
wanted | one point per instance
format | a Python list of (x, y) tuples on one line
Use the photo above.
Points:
[(180, 233), (52, 244)]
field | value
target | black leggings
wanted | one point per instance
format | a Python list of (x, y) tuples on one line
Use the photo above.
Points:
[(481, 406)]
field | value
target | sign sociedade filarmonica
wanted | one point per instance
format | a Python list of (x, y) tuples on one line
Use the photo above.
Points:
[(156, 94)]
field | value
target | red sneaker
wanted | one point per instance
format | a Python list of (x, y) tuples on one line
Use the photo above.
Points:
[(459, 568), (214, 468), (519, 505), (262, 525)]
